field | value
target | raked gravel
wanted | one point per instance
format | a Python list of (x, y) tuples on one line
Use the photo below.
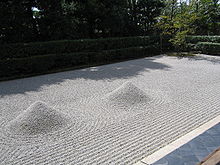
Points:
[(111, 114)]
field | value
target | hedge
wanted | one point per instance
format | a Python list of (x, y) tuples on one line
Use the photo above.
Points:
[(189, 47), (52, 62), (196, 39), (208, 48), (21, 50)]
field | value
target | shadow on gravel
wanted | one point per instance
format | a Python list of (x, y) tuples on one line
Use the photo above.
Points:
[(213, 59), (120, 70), (209, 58)]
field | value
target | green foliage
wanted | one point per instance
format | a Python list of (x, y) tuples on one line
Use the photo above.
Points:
[(16, 23), (204, 44), (45, 20), (56, 20), (52, 62), (179, 40), (147, 13), (117, 17), (180, 19), (209, 14), (208, 48), (196, 39), (21, 50)]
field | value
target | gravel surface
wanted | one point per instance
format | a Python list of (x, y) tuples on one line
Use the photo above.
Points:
[(111, 114)]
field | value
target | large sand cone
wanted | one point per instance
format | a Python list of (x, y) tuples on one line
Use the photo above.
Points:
[(39, 118)]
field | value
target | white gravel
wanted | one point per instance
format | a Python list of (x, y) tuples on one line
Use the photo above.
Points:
[(112, 114)]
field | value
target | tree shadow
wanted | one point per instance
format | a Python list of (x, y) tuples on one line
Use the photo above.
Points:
[(201, 57), (210, 58), (122, 70)]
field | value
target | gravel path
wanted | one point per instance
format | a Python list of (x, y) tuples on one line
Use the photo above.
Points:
[(112, 114)]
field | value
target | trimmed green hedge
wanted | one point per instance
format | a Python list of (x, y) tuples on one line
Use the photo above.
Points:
[(52, 62), (196, 39), (208, 48), (21, 50), (189, 47)]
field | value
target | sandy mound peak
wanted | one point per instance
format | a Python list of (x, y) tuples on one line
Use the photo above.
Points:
[(39, 118), (127, 94)]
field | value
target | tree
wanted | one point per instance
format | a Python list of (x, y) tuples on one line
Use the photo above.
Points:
[(51, 19), (210, 15), (147, 12), (142, 14), (17, 23), (200, 17), (101, 18), (113, 17)]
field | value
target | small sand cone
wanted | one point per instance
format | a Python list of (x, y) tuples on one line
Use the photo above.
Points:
[(127, 94)]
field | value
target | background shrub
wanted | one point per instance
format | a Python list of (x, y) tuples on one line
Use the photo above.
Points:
[(203, 44), (18, 67), (21, 50), (196, 39), (208, 48)]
